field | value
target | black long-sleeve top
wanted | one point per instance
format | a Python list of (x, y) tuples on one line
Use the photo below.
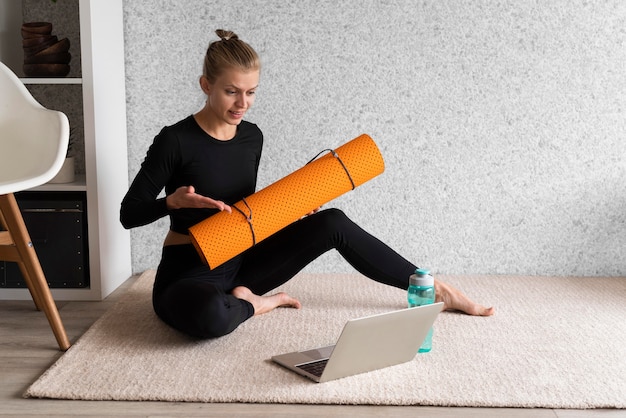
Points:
[(184, 155)]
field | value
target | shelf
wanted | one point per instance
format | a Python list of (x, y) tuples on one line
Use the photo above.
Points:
[(79, 185), (94, 99), (51, 80)]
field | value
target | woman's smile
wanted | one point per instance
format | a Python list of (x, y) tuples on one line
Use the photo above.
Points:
[(237, 114)]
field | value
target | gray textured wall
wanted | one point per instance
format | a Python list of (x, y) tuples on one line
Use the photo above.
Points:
[(502, 123)]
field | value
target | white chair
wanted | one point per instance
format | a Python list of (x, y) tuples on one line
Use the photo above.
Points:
[(33, 145)]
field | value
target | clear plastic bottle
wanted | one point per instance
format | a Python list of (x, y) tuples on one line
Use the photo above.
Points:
[(422, 292)]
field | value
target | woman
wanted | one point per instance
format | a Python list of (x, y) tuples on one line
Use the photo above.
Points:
[(211, 159)]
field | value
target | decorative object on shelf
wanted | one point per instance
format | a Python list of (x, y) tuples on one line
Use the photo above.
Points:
[(44, 54), (67, 172)]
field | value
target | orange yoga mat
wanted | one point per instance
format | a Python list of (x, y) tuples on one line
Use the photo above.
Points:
[(224, 235)]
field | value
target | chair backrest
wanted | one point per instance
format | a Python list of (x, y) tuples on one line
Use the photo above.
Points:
[(33, 139)]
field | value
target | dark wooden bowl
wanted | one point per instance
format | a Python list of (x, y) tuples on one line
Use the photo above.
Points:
[(60, 58), (46, 70), (61, 46), (33, 29), (43, 39), (40, 47)]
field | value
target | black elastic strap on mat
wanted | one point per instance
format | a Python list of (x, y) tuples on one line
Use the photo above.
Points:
[(332, 151), (248, 218)]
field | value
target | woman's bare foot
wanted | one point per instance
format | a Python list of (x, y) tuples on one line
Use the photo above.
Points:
[(265, 304), (454, 300)]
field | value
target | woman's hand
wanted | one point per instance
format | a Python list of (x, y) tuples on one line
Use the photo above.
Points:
[(186, 197)]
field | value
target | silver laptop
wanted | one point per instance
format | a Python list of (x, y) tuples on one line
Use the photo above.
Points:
[(366, 344)]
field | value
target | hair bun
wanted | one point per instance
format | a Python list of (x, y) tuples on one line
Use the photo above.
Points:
[(226, 35)]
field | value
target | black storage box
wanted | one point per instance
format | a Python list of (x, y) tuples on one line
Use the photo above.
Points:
[(57, 224)]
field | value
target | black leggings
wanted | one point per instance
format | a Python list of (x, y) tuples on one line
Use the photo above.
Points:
[(196, 300)]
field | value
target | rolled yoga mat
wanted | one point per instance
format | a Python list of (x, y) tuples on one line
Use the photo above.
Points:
[(224, 235)]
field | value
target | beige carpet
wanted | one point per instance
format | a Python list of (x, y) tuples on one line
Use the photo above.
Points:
[(554, 343)]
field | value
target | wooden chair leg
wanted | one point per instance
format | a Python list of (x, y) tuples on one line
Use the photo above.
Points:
[(31, 288), (24, 253)]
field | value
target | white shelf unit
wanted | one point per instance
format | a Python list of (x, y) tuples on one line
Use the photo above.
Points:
[(106, 162)]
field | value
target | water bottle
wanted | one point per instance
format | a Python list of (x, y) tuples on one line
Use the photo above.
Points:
[(422, 292)]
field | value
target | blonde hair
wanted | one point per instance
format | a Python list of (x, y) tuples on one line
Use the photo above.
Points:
[(227, 53)]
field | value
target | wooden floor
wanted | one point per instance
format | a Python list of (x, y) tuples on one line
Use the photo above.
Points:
[(28, 348)]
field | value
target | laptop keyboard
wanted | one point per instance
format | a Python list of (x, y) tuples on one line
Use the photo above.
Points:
[(315, 367)]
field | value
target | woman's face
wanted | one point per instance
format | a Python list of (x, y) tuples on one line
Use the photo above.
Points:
[(231, 95)]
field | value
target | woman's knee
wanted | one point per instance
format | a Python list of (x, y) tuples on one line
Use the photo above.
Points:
[(200, 314), (214, 318), (333, 217)]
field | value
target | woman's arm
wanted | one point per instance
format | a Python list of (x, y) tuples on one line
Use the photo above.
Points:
[(141, 204)]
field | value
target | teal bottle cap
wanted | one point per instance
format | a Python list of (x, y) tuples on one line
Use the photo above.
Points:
[(422, 277)]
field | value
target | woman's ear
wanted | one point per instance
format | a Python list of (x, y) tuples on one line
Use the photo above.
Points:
[(205, 85)]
